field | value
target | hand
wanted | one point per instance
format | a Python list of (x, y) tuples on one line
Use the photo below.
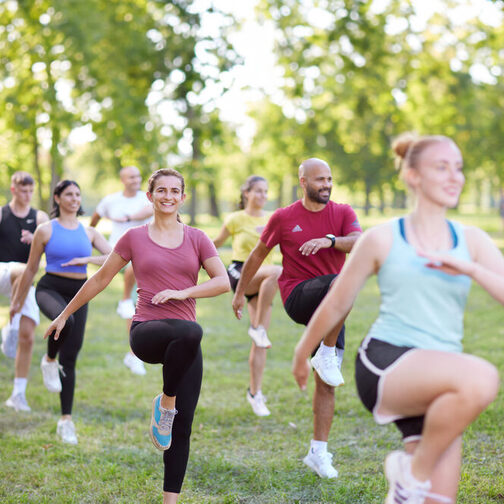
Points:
[(167, 295), (448, 264), (14, 308), (76, 261), (26, 236), (56, 327), (314, 245), (301, 371), (238, 303)]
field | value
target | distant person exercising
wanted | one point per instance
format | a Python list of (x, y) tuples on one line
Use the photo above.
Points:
[(67, 245), (410, 368), (18, 221), (166, 256), (314, 235), (126, 209), (245, 227)]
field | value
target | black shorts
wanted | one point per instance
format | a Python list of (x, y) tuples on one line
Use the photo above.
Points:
[(374, 359), (305, 298), (234, 274)]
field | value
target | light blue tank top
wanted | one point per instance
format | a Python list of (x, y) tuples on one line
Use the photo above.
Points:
[(421, 307), (65, 244)]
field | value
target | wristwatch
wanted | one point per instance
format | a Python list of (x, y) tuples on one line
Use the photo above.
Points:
[(332, 238)]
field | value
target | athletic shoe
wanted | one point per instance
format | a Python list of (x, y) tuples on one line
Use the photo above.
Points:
[(258, 403), (126, 308), (404, 488), (135, 365), (161, 424), (18, 402), (9, 341), (51, 374), (321, 463), (66, 430), (328, 368), (260, 337)]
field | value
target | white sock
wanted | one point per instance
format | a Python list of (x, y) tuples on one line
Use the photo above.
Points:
[(327, 350), (318, 446), (20, 386)]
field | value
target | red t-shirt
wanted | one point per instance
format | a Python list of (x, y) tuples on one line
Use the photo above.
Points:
[(158, 268), (293, 225)]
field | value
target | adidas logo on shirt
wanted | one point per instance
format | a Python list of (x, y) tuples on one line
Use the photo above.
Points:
[(296, 228)]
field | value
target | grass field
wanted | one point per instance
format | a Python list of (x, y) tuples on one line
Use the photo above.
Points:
[(235, 456)]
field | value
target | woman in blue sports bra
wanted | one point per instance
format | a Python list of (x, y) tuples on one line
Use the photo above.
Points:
[(67, 245), (410, 368)]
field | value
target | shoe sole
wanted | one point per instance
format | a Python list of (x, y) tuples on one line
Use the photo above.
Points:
[(307, 463), (258, 344), (155, 442), (10, 405), (324, 380)]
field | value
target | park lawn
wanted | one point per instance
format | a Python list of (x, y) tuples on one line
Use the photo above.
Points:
[(235, 456)]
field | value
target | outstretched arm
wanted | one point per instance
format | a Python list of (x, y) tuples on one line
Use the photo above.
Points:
[(222, 237), (343, 243), (88, 291), (99, 243), (252, 264)]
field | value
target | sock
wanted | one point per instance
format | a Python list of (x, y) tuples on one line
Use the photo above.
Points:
[(326, 350), (318, 446), (19, 386)]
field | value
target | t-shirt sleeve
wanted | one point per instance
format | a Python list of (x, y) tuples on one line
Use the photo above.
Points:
[(206, 247), (230, 223), (271, 233), (350, 221), (123, 246)]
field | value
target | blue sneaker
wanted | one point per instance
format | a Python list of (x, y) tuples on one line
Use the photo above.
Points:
[(161, 424)]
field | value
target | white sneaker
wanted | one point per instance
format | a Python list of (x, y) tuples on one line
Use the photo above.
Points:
[(126, 308), (135, 365), (321, 463), (258, 403), (328, 368), (51, 374), (259, 335), (66, 430), (18, 402), (404, 488), (9, 341)]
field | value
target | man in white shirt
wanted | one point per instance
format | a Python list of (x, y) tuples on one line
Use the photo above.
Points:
[(127, 208)]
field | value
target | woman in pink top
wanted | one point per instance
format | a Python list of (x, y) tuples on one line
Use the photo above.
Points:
[(166, 256)]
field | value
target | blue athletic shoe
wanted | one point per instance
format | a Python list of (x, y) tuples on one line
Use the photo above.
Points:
[(161, 424)]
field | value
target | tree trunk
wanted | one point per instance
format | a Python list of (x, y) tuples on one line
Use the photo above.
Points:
[(367, 205), (214, 206), (192, 205), (43, 202)]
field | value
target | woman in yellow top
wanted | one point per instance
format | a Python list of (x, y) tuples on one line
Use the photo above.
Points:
[(245, 227)]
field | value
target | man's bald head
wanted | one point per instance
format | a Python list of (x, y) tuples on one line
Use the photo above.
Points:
[(307, 167), (131, 178), (128, 171)]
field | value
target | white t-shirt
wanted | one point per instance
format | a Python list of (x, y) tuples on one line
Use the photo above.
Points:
[(117, 205)]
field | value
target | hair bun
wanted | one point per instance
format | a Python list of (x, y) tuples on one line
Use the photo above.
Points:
[(402, 144)]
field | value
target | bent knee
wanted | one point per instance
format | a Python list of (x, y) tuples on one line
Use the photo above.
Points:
[(483, 385), (194, 334)]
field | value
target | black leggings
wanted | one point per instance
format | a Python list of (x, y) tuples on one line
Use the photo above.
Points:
[(53, 293), (176, 345)]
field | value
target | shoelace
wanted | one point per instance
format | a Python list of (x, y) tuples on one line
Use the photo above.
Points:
[(166, 419)]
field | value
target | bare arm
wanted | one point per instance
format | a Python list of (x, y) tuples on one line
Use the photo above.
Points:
[(99, 243), (252, 264), (140, 215), (223, 235), (217, 284), (95, 218), (88, 291), (343, 243)]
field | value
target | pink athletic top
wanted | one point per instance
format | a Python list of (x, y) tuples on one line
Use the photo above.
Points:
[(158, 268), (293, 225)]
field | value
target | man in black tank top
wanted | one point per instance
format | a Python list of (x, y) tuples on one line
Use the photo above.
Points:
[(17, 225)]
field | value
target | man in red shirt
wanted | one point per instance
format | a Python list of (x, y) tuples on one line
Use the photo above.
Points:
[(314, 235)]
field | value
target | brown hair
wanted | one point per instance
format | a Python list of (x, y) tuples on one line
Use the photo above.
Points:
[(246, 187), (408, 148), (60, 187), (22, 178), (166, 172)]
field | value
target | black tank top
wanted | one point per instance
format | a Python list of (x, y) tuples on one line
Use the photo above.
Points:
[(11, 247)]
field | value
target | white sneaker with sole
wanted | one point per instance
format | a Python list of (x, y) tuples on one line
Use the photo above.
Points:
[(66, 430), (126, 308), (403, 487), (260, 336), (321, 463), (258, 403), (9, 341), (18, 403), (51, 374), (328, 368), (135, 365)]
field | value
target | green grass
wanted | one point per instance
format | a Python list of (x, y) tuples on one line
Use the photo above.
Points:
[(235, 457)]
